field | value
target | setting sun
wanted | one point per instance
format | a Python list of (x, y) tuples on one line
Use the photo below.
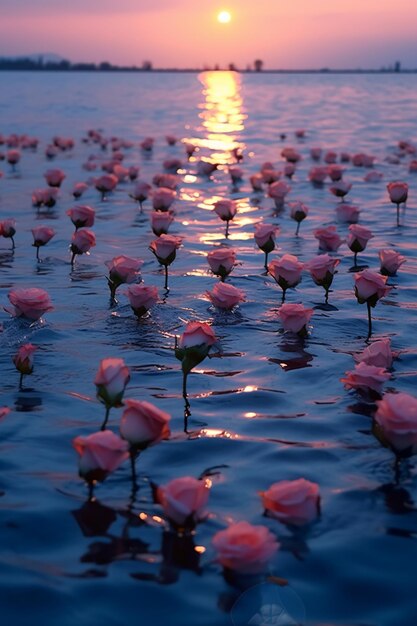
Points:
[(224, 17)]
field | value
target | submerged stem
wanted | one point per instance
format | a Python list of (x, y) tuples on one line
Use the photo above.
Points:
[(369, 321), (106, 418), (166, 277)]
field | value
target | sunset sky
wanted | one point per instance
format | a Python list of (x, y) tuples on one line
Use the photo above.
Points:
[(185, 33)]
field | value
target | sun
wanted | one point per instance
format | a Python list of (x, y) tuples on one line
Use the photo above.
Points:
[(224, 17)]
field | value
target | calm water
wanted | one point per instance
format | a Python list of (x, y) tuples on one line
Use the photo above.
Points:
[(271, 408)]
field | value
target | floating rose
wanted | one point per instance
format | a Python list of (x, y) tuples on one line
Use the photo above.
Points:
[(390, 261), (221, 261), (23, 361), (322, 269), (106, 184), (265, 235), (357, 239), (328, 238), (184, 500), (225, 296), (142, 298), (100, 454), (367, 378), (140, 193), (278, 191), (379, 353), (163, 198), (82, 216), (295, 317), (31, 303), (81, 242), (347, 213), (41, 236), (298, 212), (294, 502), (398, 193), (245, 548), (165, 249), (286, 272), (226, 209), (122, 270), (370, 287), (54, 178), (111, 380), (161, 221), (341, 189), (79, 189), (396, 422)]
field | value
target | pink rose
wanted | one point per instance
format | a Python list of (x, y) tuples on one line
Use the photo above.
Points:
[(147, 144), (291, 155), (106, 183), (398, 192), (31, 303), (245, 548), (168, 181), (286, 271), (184, 500), (165, 248), (121, 172), (358, 237), (289, 170), (256, 181), (391, 261), (141, 191), (225, 209), (161, 221), (221, 261), (316, 153), (236, 174), (270, 175), (370, 287), (54, 178), (265, 235), (41, 235), (366, 377), (78, 190), (330, 157), (378, 353), (100, 453), (295, 317), (396, 416), (197, 334), (4, 410), (298, 211), (143, 424), (81, 216), (13, 157), (328, 238), (363, 160), (142, 298), (278, 191), (335, 172), (163, 198), (133, 172), (322, 269), (294, 502), (50, 196), (123, 269), (111, 380), (341, 189), (225, 296), (205, 168), (171, 140), (82, 240), (8, 229), (347, 213), (318, 175), (23, 359)]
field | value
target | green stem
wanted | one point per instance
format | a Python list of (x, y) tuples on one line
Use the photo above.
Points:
[(106, 418)]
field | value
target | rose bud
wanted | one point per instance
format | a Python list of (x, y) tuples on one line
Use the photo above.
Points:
[(31, 303), (317, 175), (165, 249), (347, 213), (341, 189), (4, 410), (184, 500), (41, 236), (316, 153), (366, 378), (143, 424), (278, 192), (147, 144), (171, 140), (322, 269), (106, 184), (163, 198), (142, 298), (167, 181), (295, 317), (122, 269), (78, 190), (378, 354), (54, 178), (236, 174), (8, 230), (357, 239), (270, 175), (81, 216), (265, 235), (396, 421), (412, 168), (391, 261), (245, 548), (81, 242), (140, 192), (335, 172), (289, 170), (172, 165), (256, 181), (100, 454), (370, 287), (161, 221), (133, 172), (291, 155), (373, 177), (295, 502), (286, 272), (50, 196), (38, 198), (221, 261), (13, 157), (398, 193), (111, 380), (298, 212), (23, 359), (206, 168), (328, 238), (330, 157), (225, 296), (226, 210), (192, 348)]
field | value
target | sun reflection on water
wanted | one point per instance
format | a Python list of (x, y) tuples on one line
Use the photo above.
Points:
[(222, 116)]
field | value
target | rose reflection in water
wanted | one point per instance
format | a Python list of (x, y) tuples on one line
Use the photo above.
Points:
[(293, 346)]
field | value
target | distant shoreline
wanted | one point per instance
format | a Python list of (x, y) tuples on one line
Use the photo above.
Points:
[(199, 71)]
